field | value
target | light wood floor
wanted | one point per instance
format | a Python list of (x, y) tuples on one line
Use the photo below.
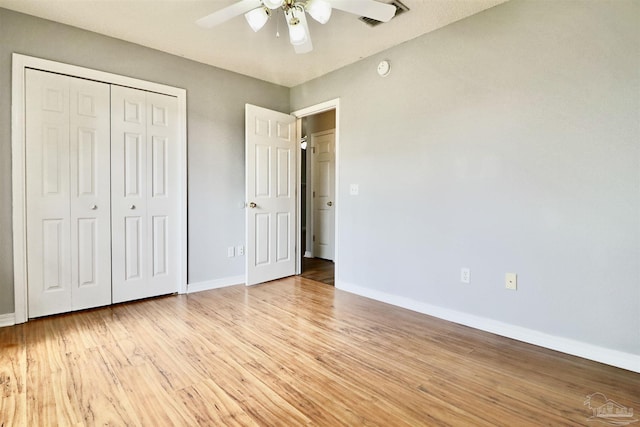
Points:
[(290, 352)]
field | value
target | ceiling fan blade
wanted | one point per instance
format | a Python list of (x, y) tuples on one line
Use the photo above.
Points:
[(227, 13), (304, 48), (307, 46), (369, 8)]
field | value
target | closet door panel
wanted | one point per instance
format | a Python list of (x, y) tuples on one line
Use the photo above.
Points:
[(90, 198), (130, 263), (162, 192), (47, 193)]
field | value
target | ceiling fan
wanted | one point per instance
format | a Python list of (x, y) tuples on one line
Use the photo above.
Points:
[(257, 13)]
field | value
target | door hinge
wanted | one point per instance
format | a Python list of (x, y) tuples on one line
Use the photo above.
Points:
[(313, 150), (314, 194), (314, 238)]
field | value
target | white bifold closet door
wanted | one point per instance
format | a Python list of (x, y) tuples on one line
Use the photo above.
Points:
[(144, 193), (67, 193), (102, 196)]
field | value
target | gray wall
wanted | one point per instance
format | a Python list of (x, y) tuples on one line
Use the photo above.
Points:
[(507, 142), (215, 103)]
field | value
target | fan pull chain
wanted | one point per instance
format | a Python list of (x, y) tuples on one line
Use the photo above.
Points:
[(277, 28)]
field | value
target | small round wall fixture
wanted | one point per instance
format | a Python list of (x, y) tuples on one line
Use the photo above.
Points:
[(384, 68)]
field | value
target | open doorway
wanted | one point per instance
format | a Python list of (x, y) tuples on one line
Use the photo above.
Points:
[(317, 196)]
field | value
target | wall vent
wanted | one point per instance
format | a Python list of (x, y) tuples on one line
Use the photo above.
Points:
[(400, 9)]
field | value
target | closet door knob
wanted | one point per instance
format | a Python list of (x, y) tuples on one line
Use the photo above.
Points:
[(132, 207), (252, 205), (93, 207)]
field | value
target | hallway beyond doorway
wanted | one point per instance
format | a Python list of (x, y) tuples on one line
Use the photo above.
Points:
[(318, 269)]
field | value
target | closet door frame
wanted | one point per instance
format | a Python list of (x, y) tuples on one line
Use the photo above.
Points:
[(18, 156)]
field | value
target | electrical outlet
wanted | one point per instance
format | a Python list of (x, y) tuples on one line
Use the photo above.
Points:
[(511, 281), (465, 275), (230, 252), (240, 250), (354, 189)]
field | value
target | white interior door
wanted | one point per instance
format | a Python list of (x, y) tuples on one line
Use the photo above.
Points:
[(145, 204), (270, 190), (323, 196), (67, 193)]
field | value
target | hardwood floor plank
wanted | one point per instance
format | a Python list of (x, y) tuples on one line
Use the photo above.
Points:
[(252, 347), (49, 397), (13, 364), (394, 398), (289, 352), (97, 392), (164, 353), (124, 353), (212, 406), (259, 401), (154, 407), (309, 392), (13, 410), (49, 393)]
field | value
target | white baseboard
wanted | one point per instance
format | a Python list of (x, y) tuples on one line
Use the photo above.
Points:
[(308, 254), (616, 358), (215, 284), (8, 319)]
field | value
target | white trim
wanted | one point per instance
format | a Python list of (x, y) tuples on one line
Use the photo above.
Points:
[(333, 104), (611, 357), (22, 62), (8, 319), (215, 284), (18, 190), (298, 197)]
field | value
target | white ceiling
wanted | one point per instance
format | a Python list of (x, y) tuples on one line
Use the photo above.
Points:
[(169, 26)]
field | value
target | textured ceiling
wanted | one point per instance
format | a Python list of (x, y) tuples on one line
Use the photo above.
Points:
[(169, 26)]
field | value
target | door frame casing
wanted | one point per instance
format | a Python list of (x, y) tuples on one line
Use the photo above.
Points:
[(18, 167), (333, 104)]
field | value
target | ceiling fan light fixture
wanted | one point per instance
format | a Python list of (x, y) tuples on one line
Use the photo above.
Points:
[(320, 10), (257, 14), (273, 4), (256, 18)]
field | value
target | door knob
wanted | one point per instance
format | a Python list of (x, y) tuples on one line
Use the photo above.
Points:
[(132, 207), (252, 205), (329, 203), (93, 207)]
